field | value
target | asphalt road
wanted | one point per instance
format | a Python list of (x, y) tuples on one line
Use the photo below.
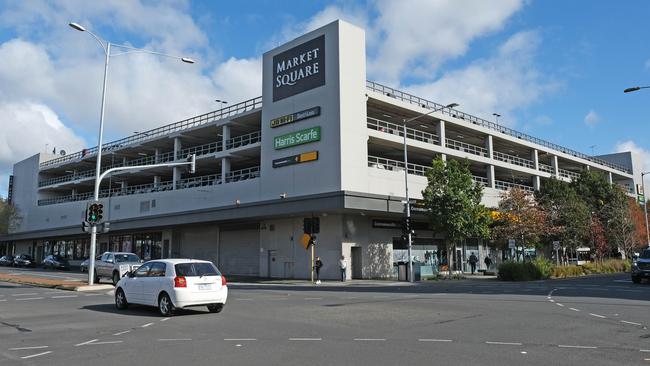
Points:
[(587, 321)]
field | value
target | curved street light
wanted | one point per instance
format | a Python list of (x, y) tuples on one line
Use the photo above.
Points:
[(406, 181), (106, 47), (635, 88)]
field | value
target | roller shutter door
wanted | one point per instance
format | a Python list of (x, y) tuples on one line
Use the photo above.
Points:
[(239, 252)]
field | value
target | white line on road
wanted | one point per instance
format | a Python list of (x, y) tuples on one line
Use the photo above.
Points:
[(633, 323), (3, 300), (93, 295), (504, 343), (146, 325), (22, 348), (243, 299), (558, 304), (26, 294), (120, 333), (313, 298), (598, 316), (164, 320), (30, 298), (63, 296), (551, 300), (305, 339), (644, 350), (434, 340), (581, 347), (106, 342), (239, 339), (36, 355), (370, 339), (574, 309), (85, 343), (174, 339)]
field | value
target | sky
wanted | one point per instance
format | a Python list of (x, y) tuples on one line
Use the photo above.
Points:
[(552, 69)]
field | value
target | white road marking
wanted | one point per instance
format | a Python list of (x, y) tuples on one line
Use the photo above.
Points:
[(3, 300), (93, 295), (313, 298), (22, 348), (558, 304), (36, 355), (551, 300), (581, 347), (240, 339), (523, 352), (644, 350), (434, 340), (370, 339), (598, 316), (120, 333), (305, 339), (146, 325), (504, 343), (30, 298), (26, 294), (85, 343), (174, 339), (107, 342), (633, 323), (164, 320), (243, 299), (574, 309), (64, 297)]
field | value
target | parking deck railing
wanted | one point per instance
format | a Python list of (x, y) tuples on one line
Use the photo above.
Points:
[(465, 147), (516, 160), (395, 129)]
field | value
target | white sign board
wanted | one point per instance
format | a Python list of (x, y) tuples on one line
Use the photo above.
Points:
[(511, 243)]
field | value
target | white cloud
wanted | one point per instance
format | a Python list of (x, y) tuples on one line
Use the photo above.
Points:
[(506, 81), (592, 118), (415, 37), (237, 78)]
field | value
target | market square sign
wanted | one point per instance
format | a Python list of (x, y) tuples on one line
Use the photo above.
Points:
[(299, 69)]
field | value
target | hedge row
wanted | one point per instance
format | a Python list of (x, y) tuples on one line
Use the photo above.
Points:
[(540, 269)]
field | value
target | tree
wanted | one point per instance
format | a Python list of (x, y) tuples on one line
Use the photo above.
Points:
[(594, 189), (621, 229), (569, 215), (520, 218), (599, 243), (453, 203), (8, 216)]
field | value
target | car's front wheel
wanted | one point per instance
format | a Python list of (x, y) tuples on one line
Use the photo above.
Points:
[(636, 279), (120, 299), (215, 308), (165, 305)]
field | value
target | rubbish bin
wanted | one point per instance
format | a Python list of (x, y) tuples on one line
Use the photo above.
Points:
[(401, 271)]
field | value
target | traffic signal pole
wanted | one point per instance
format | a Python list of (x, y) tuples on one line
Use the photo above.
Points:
[(191, 161)]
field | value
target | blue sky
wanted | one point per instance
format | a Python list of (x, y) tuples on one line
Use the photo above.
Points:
[(553, 69)]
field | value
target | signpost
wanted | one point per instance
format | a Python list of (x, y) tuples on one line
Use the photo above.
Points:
[(556, 247), (511, 246)]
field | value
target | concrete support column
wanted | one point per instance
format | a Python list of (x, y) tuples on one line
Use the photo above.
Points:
[(489, 146), (74, 192), (490, 175), (156, 154), (156, 180), (123, 161), (610, 178), (536, 182), (535, 158), (225, 168), (176, 173), (443, 157), (587, 168), (123, 186), (556, 168), (225, 136), (440, 130)]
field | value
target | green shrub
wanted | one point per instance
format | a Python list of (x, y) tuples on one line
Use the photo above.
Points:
[(519, 271), (544, 266)]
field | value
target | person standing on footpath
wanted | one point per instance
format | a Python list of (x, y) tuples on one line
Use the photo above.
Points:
[(343, 265), (472, 262), (488, 262), (317, 265)]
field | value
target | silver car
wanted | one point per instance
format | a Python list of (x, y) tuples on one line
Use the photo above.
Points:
[(114, 265)]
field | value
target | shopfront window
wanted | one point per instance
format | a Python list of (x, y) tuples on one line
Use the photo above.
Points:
[(148, 245)]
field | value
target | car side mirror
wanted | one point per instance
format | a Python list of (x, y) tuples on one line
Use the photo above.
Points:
[(129, 274), (109, 261)]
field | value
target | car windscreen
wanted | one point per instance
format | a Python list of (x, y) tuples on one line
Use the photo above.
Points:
[(645, 254), (196, 269), (126, 258)]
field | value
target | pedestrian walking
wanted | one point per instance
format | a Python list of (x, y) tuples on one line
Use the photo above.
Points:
[(472, 262), (317, 265), (343, 265), (488, 262)]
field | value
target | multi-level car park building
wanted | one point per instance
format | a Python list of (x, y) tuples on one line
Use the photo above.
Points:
[(322, 141)]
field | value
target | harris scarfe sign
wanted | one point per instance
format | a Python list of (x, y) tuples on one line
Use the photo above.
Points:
[(299, 69), (297, 138)]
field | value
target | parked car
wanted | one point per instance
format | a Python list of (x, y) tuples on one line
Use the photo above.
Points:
[(114, 265), (84, 265), (173, 284), (7, 260), (641, 266), (55, 261), (24, 260)]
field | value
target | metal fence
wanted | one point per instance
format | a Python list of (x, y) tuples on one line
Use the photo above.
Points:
[(395, 129)]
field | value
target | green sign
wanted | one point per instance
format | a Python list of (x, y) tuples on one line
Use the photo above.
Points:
[(641, 199), (297, 138)]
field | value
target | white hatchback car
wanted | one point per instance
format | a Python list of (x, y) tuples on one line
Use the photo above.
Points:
[(173, 284)]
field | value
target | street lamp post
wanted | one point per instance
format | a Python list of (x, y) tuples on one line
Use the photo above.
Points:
[(635, 88), (106, 47), (406, 182), (645, 208), (222, 102)]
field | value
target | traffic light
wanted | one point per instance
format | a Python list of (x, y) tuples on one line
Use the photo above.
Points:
[(311, 225), (306, 225), (407, 227), (94, 212)]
